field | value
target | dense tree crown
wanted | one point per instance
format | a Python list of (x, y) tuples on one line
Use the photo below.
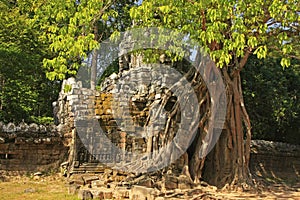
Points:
[(25, 92), (229, 30), (72, 29)]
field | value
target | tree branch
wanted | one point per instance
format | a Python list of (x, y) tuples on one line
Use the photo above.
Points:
[(242, 62)]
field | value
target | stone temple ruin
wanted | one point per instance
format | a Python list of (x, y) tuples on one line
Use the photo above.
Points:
[(94, 128), (112, 124)]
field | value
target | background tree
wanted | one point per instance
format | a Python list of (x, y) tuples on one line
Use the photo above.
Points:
[(230, 31), (25, 92), (72, 29), (272, 93)]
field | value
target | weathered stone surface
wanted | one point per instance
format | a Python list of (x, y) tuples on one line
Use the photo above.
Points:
[(84, 194), (10, 127), (101, 193), (20, 140), (33, 128), (30, 190), (88, 179), (105, 194), (171, 182), (270, 147), (78, 180), (73, 189), (274, 159), (184, 182), (98, 183), (146, 183), (31, 150), (38, 174), (121, 193), (143, 193), (22, 127), (43, 129)]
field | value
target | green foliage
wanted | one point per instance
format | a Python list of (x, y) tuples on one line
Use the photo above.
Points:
[(55, 34), (228, 29), (67, 88), (272, 98), (72, 29), (42, 120), (24, 90)]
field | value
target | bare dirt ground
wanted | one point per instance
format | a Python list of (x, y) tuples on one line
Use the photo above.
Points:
[(54, 187)]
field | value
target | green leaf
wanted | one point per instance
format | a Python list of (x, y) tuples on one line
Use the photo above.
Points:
[(285, 62)]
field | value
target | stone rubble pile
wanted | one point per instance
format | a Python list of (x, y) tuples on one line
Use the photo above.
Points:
[(114, 185)]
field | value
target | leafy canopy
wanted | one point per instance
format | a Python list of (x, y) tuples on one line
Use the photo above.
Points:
[(25, 93), (72, 29), (229, 30)]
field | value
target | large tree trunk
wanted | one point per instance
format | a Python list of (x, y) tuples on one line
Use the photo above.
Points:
[(227, 164)]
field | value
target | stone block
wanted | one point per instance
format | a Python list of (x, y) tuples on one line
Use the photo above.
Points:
[(143, 193), (85, 194), (103, 193), (146, 183), (184, 182), (121, 193), (73, 189), (20, 140), (9, 128), (47, 140), (89, 179), (98, 183), (22, 127), (37, 141), (171, 183), (71, 97), (78, 181)]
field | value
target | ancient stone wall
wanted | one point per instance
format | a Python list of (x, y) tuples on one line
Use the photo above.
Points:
[(29, 148), (275, 160)]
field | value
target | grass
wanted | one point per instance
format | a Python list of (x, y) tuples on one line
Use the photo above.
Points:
[(24, 188)]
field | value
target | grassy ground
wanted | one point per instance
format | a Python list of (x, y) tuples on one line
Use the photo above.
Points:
[(25, 188)]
